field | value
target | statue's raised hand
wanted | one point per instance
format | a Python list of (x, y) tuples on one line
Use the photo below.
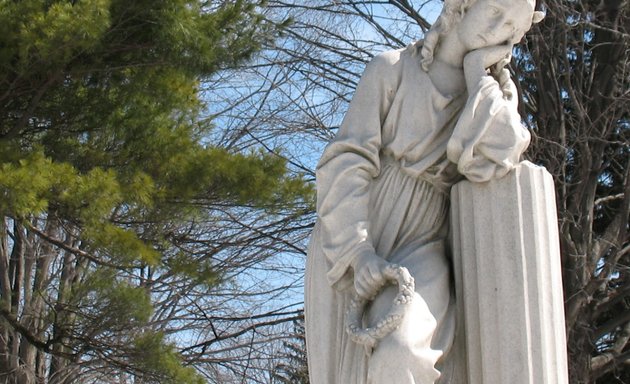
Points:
[(477, 62), (368, 274)]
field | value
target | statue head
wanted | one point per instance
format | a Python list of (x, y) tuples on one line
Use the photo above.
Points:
[(455, 11)]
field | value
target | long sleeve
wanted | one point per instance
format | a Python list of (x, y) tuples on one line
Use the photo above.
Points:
[(347, 167), (489, 138)]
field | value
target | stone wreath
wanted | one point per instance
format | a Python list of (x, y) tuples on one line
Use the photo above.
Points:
[(354, 315)]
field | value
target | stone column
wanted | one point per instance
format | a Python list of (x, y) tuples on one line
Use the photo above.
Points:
[(508, 279)]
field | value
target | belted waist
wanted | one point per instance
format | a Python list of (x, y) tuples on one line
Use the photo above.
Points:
[(388, 165)]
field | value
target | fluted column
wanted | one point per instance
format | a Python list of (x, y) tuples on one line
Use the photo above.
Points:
[(508, 278)]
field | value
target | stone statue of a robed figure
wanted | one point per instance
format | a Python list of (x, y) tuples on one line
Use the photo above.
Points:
[(422, 119)]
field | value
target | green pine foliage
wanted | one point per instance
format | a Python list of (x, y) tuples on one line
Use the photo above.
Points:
[(101, 156), (151, 350)]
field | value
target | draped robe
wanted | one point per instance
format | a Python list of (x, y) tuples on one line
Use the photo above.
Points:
[(382, 187)]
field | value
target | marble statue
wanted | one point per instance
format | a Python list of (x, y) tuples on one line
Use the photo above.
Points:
[(422, 118)]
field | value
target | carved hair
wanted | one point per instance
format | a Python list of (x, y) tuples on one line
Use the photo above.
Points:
[(452, 13)]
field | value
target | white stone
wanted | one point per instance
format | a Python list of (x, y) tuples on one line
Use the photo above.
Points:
[(508, 277)]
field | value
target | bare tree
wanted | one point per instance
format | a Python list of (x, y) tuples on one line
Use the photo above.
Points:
[(576, 85)]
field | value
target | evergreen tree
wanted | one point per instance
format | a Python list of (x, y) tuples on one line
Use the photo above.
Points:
[(103, 174)]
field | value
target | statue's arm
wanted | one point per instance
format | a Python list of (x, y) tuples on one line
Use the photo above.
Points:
[(489, 138), (348, 166)]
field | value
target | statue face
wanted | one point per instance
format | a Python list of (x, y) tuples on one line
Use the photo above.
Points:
[(495, 22)]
